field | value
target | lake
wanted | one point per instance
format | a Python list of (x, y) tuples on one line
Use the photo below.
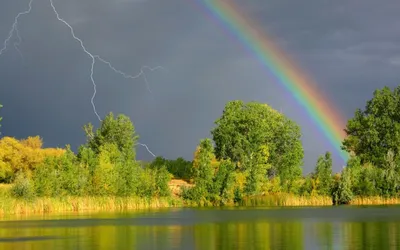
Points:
[(345, 227)]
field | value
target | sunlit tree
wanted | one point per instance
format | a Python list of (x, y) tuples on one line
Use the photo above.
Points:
[(372, 132), (245, 128)]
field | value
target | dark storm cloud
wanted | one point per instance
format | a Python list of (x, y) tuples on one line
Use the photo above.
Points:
[(349, 48)]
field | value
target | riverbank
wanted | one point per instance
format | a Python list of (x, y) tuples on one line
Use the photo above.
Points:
[(41, 205), (376, 200), (12, 206)]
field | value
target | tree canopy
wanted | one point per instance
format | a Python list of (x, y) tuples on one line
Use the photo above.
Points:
[(246, 128), (372, 132), (323, 174), (23, 155), (119, 131)]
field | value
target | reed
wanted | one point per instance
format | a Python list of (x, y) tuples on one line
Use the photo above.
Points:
[(284, 199), (375, 200), (12, 206)]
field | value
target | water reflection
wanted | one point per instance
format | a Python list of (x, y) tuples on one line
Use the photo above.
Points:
[(211, 230)]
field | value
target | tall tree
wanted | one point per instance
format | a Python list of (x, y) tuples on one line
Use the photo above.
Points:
[(372, 132), (203, 173), (341, 192), (118, 131), (323, 174), (245, 128)]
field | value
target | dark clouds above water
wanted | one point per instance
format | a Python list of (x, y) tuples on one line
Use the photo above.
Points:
[(349, 47)]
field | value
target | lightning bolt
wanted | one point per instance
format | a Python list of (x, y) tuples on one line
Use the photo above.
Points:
[(14, 28), (148, 150), (93, 57)]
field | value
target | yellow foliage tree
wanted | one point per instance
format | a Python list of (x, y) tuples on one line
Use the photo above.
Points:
[(23, 155)]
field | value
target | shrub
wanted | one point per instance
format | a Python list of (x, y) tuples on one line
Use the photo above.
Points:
[(22, 187)]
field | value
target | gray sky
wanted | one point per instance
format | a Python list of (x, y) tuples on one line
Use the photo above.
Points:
[(350, 47)]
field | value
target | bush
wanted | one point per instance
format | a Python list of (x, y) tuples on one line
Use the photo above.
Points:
[(162, 179), (341, 193), (46, 179), (22, 187)]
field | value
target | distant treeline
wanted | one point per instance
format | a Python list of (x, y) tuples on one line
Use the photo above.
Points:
[(254, 151)]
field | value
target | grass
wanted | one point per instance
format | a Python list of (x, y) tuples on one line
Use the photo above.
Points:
[(12, 206), (42, 205), (375, 200), (284, 199), (39, 205)]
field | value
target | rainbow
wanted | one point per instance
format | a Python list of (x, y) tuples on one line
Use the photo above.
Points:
[(322, 113)]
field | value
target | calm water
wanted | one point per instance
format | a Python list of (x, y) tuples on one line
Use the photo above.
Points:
[(248, 228)]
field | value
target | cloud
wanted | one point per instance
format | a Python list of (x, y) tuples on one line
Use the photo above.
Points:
[(349, 47)]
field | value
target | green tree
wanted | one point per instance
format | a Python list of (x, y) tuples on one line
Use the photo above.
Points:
[(222, 188), (88, 159), (323, 174), (342, 193), (257, 170), (390, 176), (179, 168), (203, 173), (118, 131), (244, 128), (105, 177), (158, 162), (372, 132)]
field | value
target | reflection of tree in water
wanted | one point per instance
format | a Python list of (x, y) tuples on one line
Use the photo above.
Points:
[(371, 235), (240, 235), (249, 236)]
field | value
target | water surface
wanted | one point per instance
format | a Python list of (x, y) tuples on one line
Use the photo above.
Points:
[(215, 228)]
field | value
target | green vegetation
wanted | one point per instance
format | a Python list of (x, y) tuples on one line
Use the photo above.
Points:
[(376, 130), (254, 157), (104, 167), (179, 168)]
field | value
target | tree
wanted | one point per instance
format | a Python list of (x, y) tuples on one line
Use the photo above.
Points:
[(323, 174), (244, 128), (341, 192), (119, 131), (23, 155), (390, 176), (372, 132), (179, 168), (222, 188), (257, 167), (203, 173)]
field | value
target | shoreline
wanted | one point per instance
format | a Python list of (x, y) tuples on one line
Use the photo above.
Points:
[(39, 206)]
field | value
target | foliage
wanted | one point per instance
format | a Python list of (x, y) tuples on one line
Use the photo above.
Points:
[(323, 174), (88, 158), (243, 129), (203, 172), (341, 192), (390, 175), (118, 131), (162, 179), (257, 153), (257, 167), (60, 176), (22, 187), (23, 155), (179, 168), (372, 132)]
